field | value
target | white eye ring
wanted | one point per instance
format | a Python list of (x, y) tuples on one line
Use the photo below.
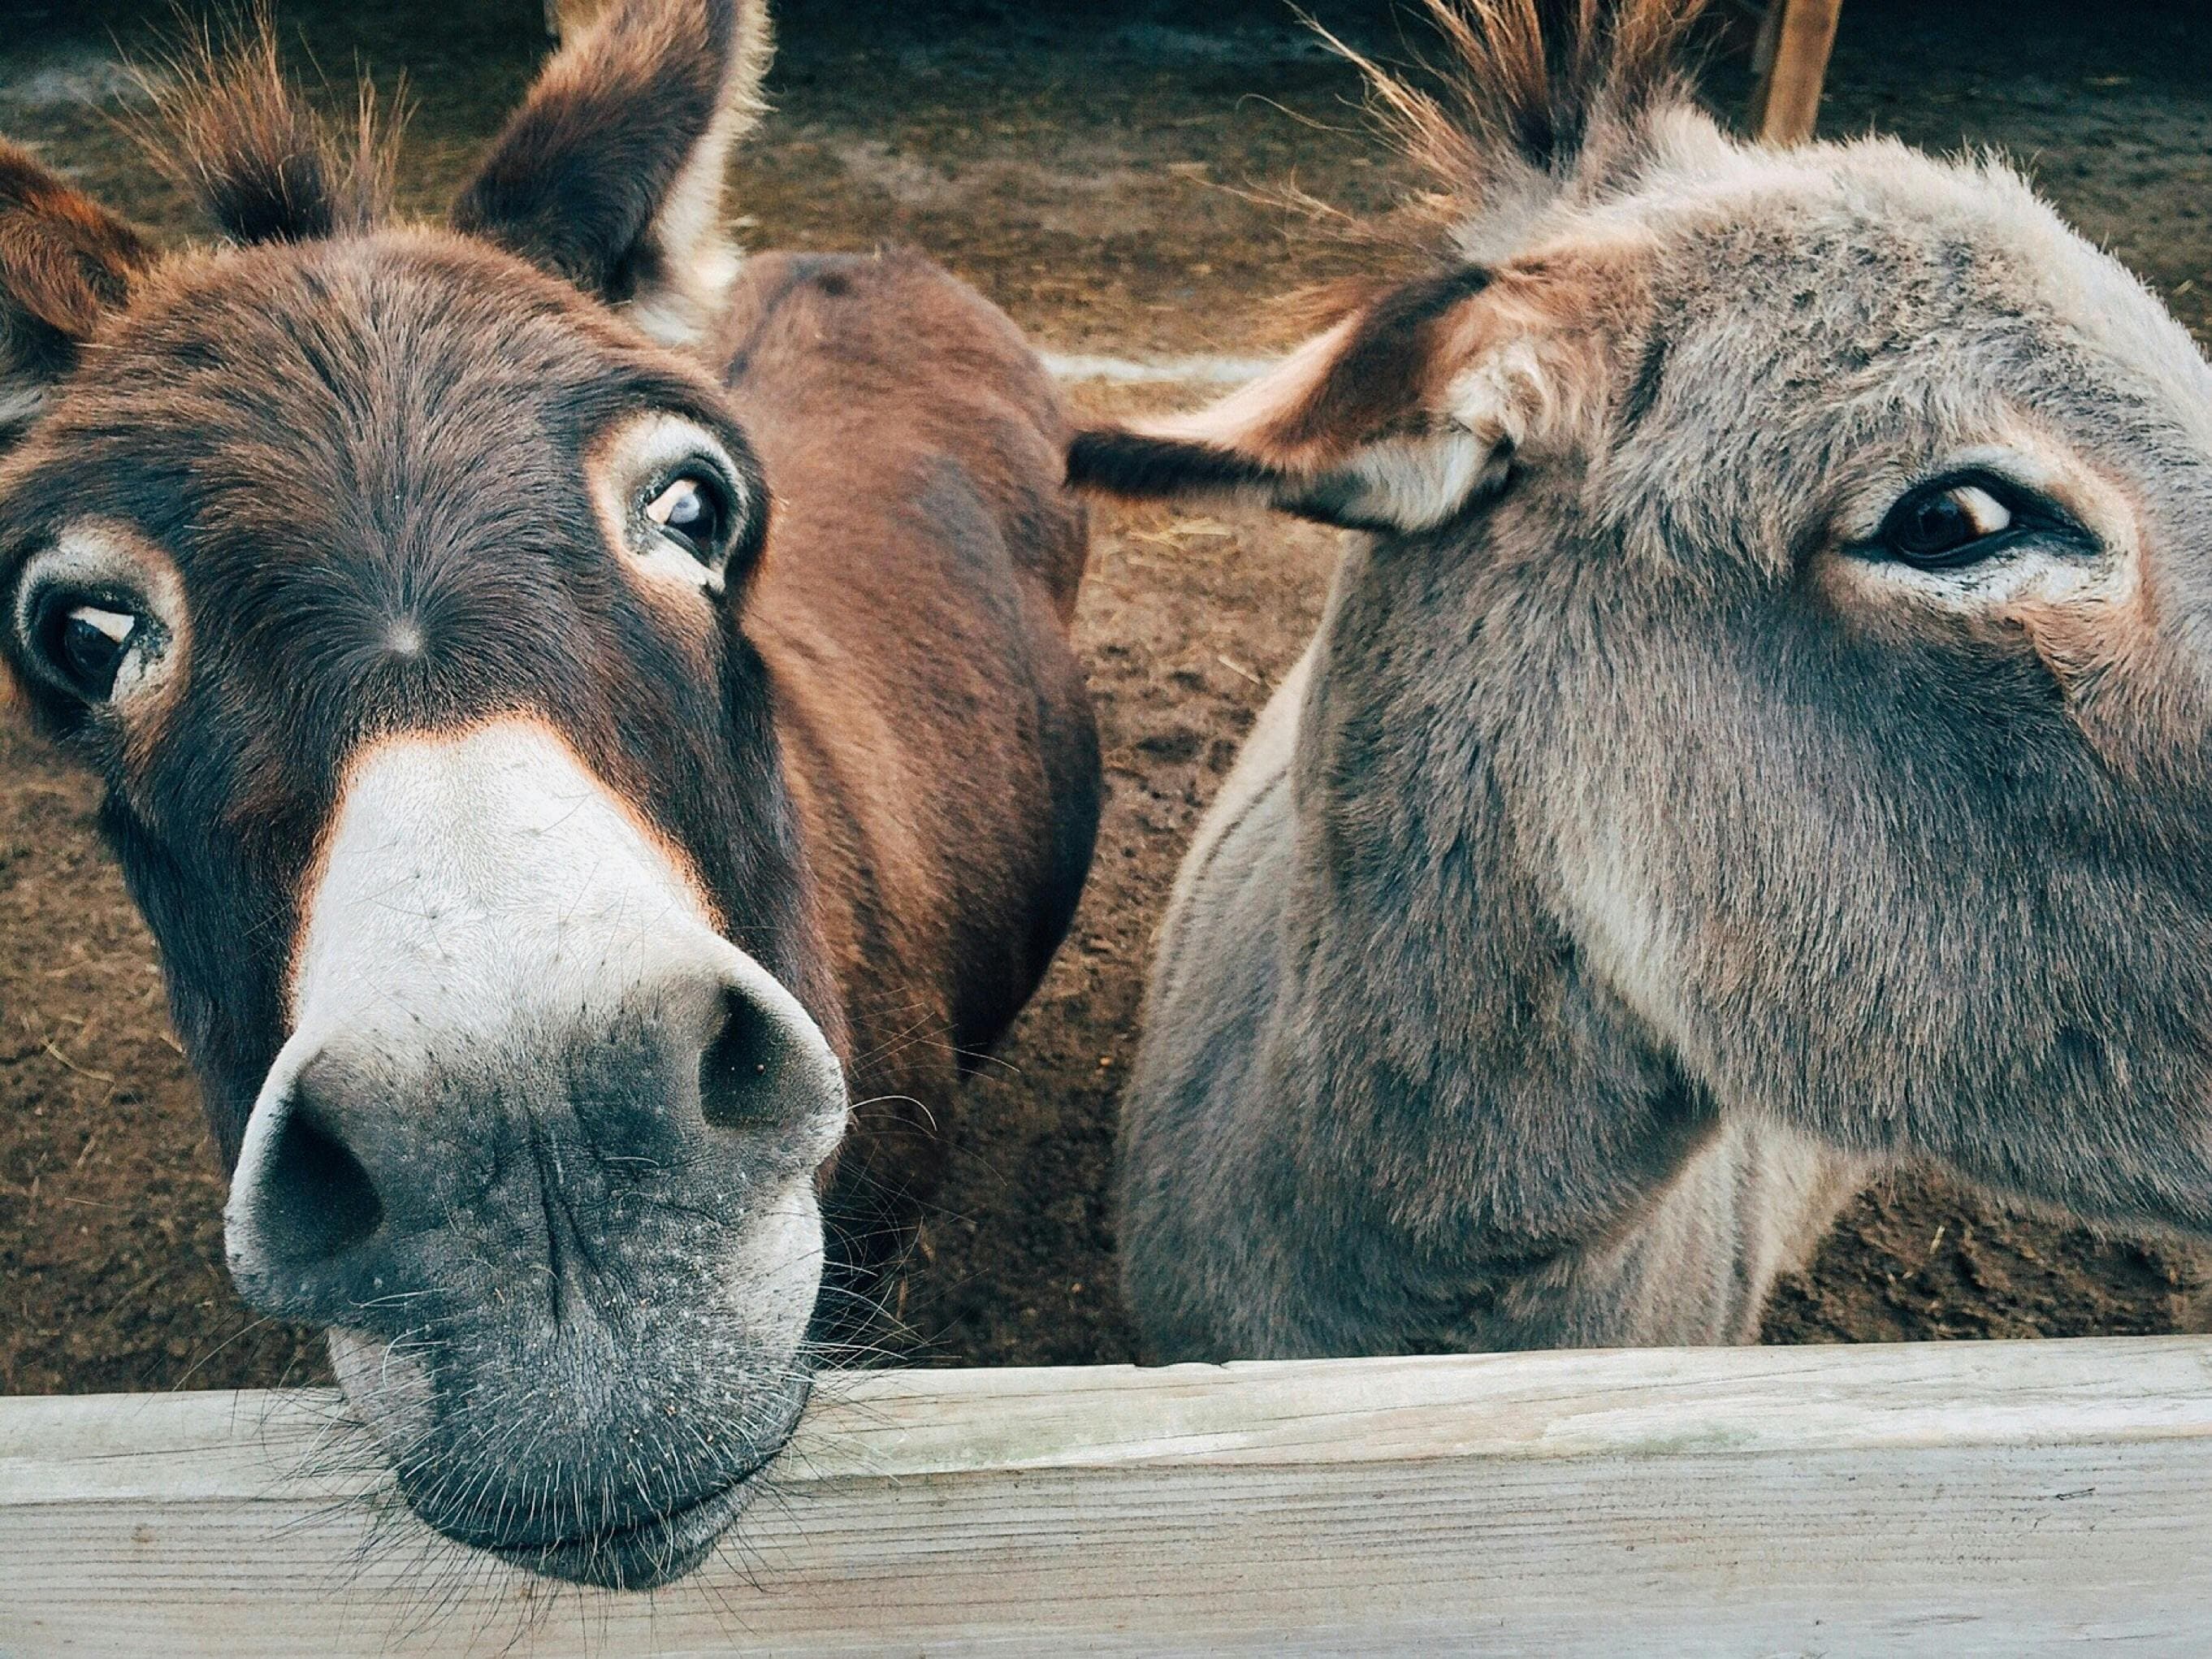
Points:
[(118, 596), (679, 536)]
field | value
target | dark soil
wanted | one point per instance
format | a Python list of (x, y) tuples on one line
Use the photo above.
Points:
[(1100, 171)]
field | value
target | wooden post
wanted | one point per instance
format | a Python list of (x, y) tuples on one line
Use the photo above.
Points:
[(1790, 62), (1945, 1499)]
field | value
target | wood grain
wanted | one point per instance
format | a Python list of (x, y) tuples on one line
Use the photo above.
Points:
[(1973, 1498)]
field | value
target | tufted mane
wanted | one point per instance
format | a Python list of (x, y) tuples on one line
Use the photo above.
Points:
[(233, 132)]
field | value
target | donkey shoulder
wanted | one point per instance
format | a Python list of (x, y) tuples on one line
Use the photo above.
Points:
[(924, 558), (1247, 821)]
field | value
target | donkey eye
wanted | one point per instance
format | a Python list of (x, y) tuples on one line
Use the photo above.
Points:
[(86, 642), (693, 512), (1942, 526)]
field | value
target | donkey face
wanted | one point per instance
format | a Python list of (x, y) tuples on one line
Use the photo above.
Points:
[(1810, 555), (394, 586)]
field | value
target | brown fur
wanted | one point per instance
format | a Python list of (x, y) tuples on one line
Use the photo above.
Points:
[(908, 874), (235, 136), (1380, 376), (1524, 88), (377, 501), (64, 262), (547, 192)]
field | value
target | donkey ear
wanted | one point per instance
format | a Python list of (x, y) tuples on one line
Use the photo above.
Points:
[(1394, 419), (65, 262), (611, 173)]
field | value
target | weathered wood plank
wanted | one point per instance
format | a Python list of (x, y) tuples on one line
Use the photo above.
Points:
[(1986, 1497)]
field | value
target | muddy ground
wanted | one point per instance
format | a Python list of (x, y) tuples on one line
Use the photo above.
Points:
[(1103, 172)]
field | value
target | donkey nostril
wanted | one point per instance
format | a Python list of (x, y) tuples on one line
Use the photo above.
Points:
[(317, 1199), (742, 1073)]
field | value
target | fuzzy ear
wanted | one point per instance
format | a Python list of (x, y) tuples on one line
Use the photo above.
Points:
[(1396, 417), (611, 173), (65, 262)]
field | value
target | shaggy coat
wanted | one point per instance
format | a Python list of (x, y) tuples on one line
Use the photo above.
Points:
[(591, 729), (1766, 733)]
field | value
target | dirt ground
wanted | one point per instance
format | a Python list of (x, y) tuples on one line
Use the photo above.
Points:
[(1102, 172)]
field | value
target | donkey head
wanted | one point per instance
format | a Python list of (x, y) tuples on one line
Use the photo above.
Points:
[(392, 578), (1800, 564)]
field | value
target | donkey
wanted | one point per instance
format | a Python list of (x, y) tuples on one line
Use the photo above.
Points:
[(575, 714), (1764, 731)]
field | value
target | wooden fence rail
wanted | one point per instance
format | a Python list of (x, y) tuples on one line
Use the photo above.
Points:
[(1993, 1498)]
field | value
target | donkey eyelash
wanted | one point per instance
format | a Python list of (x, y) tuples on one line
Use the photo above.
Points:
[(2029, 505), (710, 534), (729, 496)]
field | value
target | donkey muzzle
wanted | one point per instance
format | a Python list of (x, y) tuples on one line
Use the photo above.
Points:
[(540, 1152)]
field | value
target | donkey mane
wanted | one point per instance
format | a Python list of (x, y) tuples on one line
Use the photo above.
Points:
[(232, 131), (1517, 91), (1533, 103)]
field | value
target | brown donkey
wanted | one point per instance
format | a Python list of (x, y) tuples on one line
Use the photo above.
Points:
[(575, 715), (1767, 733)]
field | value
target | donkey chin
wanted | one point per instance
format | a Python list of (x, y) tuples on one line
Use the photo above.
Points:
[(597, 1353), (609, 1452)]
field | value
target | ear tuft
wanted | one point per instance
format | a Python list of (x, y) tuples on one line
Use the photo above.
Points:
[(610, 174), (65, 262), (231, 130), (1540, 84)]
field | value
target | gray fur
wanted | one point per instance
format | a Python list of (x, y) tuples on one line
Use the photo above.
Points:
[(1633, 865)]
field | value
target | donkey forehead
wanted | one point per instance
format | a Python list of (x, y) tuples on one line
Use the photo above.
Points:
[(368, 475), (393, 351), (353, 409), (1931, 258)]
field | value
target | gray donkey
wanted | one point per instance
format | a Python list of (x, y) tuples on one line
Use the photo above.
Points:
[(1763, 736)]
